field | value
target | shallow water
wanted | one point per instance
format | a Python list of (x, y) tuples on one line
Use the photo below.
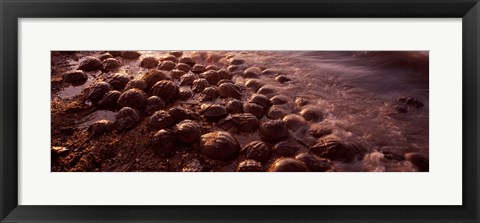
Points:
[(356, 92)]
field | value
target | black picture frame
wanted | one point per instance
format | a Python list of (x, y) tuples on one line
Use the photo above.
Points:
[(11, 11)]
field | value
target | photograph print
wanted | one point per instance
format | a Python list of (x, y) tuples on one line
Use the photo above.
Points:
[(239, 111)]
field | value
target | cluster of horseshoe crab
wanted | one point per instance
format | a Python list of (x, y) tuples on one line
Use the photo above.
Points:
[(187, 113)]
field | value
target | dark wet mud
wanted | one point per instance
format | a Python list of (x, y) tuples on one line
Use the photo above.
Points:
[(201, 111)]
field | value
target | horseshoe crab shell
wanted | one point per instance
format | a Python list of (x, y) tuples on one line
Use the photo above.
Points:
[(90, 63), (187, 131), (249, 166), (166, 90), (228, 90), (126, 118), (288, 165), (164, 142), (133, 98), (256, 150), (219, 145), (273, 130)]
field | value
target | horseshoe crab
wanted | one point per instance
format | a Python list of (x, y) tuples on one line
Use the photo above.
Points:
[(187, 131), (130, 54), (256, 150), (249, 166), (288, 165), (111, 64), (273, 130), (133, 98), (164, 142), (219, 145), (228, 90), (90, 63), (149, 62), (126, 118), (166, 90)]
